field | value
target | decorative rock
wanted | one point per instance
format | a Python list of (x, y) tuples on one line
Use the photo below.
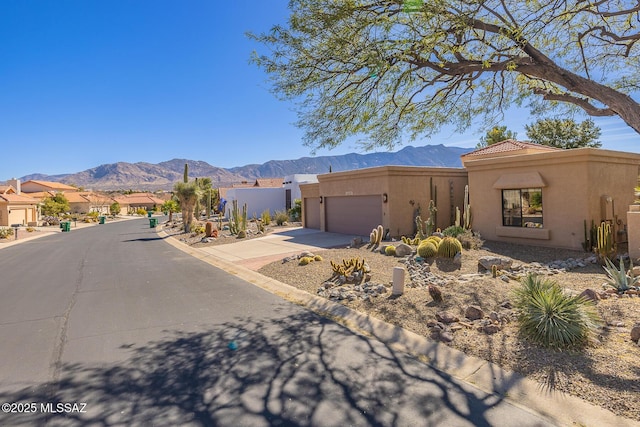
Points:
[(504, 278), (590, 294), (473, 312), (446, 317), (635, 333), (490, 329), (403, 250), (445, 336), (494, 316), (487, 262), (306, 254), (457, 259)]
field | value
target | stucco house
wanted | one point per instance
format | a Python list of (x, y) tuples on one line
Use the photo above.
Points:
[(17, 208), (34, 186), (354, 202), (131, 202), (519, 192)]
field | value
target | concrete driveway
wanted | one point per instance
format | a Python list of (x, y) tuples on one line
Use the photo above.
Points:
[(257, 252)]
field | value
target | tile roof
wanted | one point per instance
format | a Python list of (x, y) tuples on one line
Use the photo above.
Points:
[(269, 182), (507, 146), (138, 199), (18, 198), (52, 185), (5, 189)]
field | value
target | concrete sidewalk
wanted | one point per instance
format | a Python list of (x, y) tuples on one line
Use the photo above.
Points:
[(562, 409), (260, 251)]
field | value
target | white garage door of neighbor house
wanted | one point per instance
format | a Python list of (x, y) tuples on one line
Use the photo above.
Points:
[(353, 214), (312, 212)]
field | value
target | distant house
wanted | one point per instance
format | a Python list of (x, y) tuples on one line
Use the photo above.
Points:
[(34, 186), (16, 208), (130, 203), (519, 192)]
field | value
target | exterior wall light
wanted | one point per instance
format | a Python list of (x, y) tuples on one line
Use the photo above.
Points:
[(320, 199), (385, 198)]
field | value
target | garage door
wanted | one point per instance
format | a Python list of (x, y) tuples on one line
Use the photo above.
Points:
[(353, 214), (17, 216), (312, 212)]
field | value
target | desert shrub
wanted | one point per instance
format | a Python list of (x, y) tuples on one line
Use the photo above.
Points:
[(550, 318), (281, 217), (93, 215), (6, 232), (30, 229), (470, 240), (453, 231), (390, 250), (619, 279), (141, 211), (296, 211), (266, 217), (198, 229)]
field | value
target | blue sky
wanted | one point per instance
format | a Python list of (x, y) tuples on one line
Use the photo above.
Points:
[(84, 82)]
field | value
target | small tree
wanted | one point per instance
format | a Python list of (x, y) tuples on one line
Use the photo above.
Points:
[(114, 208), (54, 206), (172, 207), (495, 135), (564, 133)]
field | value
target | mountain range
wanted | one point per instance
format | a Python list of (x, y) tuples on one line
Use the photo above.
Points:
[(162, 176)]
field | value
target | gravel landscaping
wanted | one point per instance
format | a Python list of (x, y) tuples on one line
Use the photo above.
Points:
[(475, 314)]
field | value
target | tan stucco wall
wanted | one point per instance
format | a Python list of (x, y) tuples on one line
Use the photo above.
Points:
[(633, 224), (405, 186), (20, 214), (575, 182), (310, 191)]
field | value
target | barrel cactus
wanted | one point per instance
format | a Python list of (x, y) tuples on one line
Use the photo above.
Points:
[(305, 260), (390, 250), (427, 249), (435, 239), (449, 247)]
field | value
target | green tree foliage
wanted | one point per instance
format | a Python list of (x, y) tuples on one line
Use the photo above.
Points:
[(114, 208), (55, 205), (380, 69), (172, 207), (495, 135), (564, 133)]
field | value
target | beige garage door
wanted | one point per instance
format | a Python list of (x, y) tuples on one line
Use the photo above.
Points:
[(353, 214), (17, 216), (312, 212)]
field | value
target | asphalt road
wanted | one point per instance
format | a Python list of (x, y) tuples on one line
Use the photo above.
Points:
[(110, 325)]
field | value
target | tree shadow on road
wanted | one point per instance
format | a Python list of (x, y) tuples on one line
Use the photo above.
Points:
[(298, 370)]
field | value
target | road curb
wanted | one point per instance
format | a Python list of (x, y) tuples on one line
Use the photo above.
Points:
[(558, 407)]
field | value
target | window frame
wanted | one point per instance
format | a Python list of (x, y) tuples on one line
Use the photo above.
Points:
[(518, 215)]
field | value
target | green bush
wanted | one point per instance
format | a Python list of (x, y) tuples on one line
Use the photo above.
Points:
[(281, 217), (266, 217), (141, 211), (5, 233), (550, 318), (453, 231), (295, 212)]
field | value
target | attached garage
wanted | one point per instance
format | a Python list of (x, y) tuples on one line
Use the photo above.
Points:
[(353, 214), (311, 212)]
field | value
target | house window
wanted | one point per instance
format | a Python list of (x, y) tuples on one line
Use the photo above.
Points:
[(522, 208)]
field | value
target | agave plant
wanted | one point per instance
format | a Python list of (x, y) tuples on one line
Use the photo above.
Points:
[(551, 318), (619, 278)]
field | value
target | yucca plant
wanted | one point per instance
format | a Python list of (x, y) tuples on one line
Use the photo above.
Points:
[(620, 279), (550, 318)]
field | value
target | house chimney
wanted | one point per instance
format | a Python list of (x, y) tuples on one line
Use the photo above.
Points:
[(15, 183)]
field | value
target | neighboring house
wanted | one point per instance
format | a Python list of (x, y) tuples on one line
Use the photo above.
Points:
[(529, 194), (519, 192), (34, 186), (130, 203), (355, 202), (258, 200), (292, 186), (16, 208)]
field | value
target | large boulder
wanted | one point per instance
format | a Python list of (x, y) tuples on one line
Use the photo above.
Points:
[(473, 312), (403, 250), (486, 262)]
